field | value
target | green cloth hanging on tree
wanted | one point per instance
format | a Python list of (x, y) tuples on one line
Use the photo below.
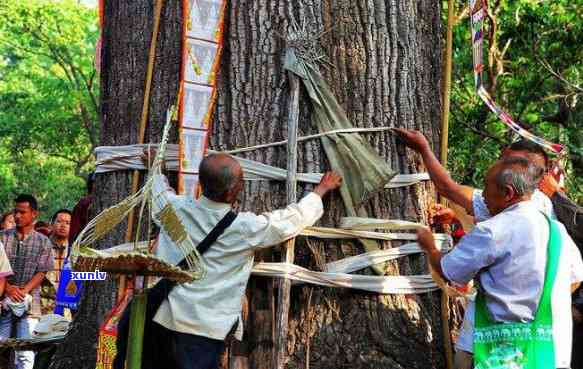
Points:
[(350, 155)]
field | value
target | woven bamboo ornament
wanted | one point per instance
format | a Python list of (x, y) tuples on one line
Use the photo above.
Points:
[(138, 261)]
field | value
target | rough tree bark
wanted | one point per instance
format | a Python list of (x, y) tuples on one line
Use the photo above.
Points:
[(386, 68), (386, 61), (126, 39)]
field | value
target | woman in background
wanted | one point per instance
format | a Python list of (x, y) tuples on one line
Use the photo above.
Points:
[(7, 221)]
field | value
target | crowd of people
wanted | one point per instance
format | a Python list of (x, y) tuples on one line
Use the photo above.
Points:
[(33, 255), (523, 252)]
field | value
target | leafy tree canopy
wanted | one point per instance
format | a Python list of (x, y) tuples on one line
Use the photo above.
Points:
[(48, 100), (535, 70), (49, 92)]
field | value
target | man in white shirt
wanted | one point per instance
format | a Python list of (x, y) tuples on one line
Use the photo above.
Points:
[(510, 261), (201, 314)]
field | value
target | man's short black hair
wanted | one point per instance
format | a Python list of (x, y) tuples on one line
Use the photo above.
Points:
[(527, 145), (60, 211), (217, 180), (24, 197)]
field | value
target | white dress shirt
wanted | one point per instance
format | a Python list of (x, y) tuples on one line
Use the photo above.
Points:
[(210, 307), (508, 255), (5, 269)]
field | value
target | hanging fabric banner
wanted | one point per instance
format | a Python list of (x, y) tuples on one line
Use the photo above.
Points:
[(202, 43), (478, 12)]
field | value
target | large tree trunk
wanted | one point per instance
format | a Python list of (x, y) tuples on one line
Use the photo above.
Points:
[(126, 40), (386, 67), (385, 71)]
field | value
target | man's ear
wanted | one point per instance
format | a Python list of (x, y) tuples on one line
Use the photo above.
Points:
[(509, 193)]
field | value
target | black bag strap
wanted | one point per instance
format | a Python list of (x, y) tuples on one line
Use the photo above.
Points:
[(213, 235)]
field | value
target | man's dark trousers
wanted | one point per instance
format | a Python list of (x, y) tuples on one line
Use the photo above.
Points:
[(196, 352), (164, 348)]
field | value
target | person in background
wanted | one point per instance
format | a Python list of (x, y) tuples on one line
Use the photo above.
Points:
[(507, 255), (7, 221), (60, 225), (80, 214), (570, 214), (29, 253), (469, 198), (43, 228), (5, 269)]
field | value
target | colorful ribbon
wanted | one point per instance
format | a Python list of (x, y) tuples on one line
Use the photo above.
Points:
[(478, 13)]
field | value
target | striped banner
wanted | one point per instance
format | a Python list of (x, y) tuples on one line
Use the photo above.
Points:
[(478, 13), (202, 44)]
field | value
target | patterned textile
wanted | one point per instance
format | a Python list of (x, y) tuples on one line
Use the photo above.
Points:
[(106, 348), (28, 257)]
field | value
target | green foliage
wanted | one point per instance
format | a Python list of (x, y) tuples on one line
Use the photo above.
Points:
[(48, 100), (49, 93), (43, 176), (537, 78)]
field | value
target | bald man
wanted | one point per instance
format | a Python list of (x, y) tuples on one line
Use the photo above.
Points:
[(200, 314)]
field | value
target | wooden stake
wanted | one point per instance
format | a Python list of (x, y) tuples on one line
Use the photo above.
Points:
[(443, 157), (283, 298)]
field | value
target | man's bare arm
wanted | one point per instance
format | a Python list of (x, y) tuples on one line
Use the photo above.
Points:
[(34, 282), (427, 243), (446, 186)]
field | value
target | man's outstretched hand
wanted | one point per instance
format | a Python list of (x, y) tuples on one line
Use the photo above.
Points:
[(425, 239), (329, 182), (549, 185), (440, 215), (413, 139)]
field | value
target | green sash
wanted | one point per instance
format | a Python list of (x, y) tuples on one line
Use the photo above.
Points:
[(520, 345)]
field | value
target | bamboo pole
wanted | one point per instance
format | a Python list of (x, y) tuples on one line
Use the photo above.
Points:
[(445, 313), (447, 83), (136, 333), (145, 105), (283, 299), (140, 300)]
